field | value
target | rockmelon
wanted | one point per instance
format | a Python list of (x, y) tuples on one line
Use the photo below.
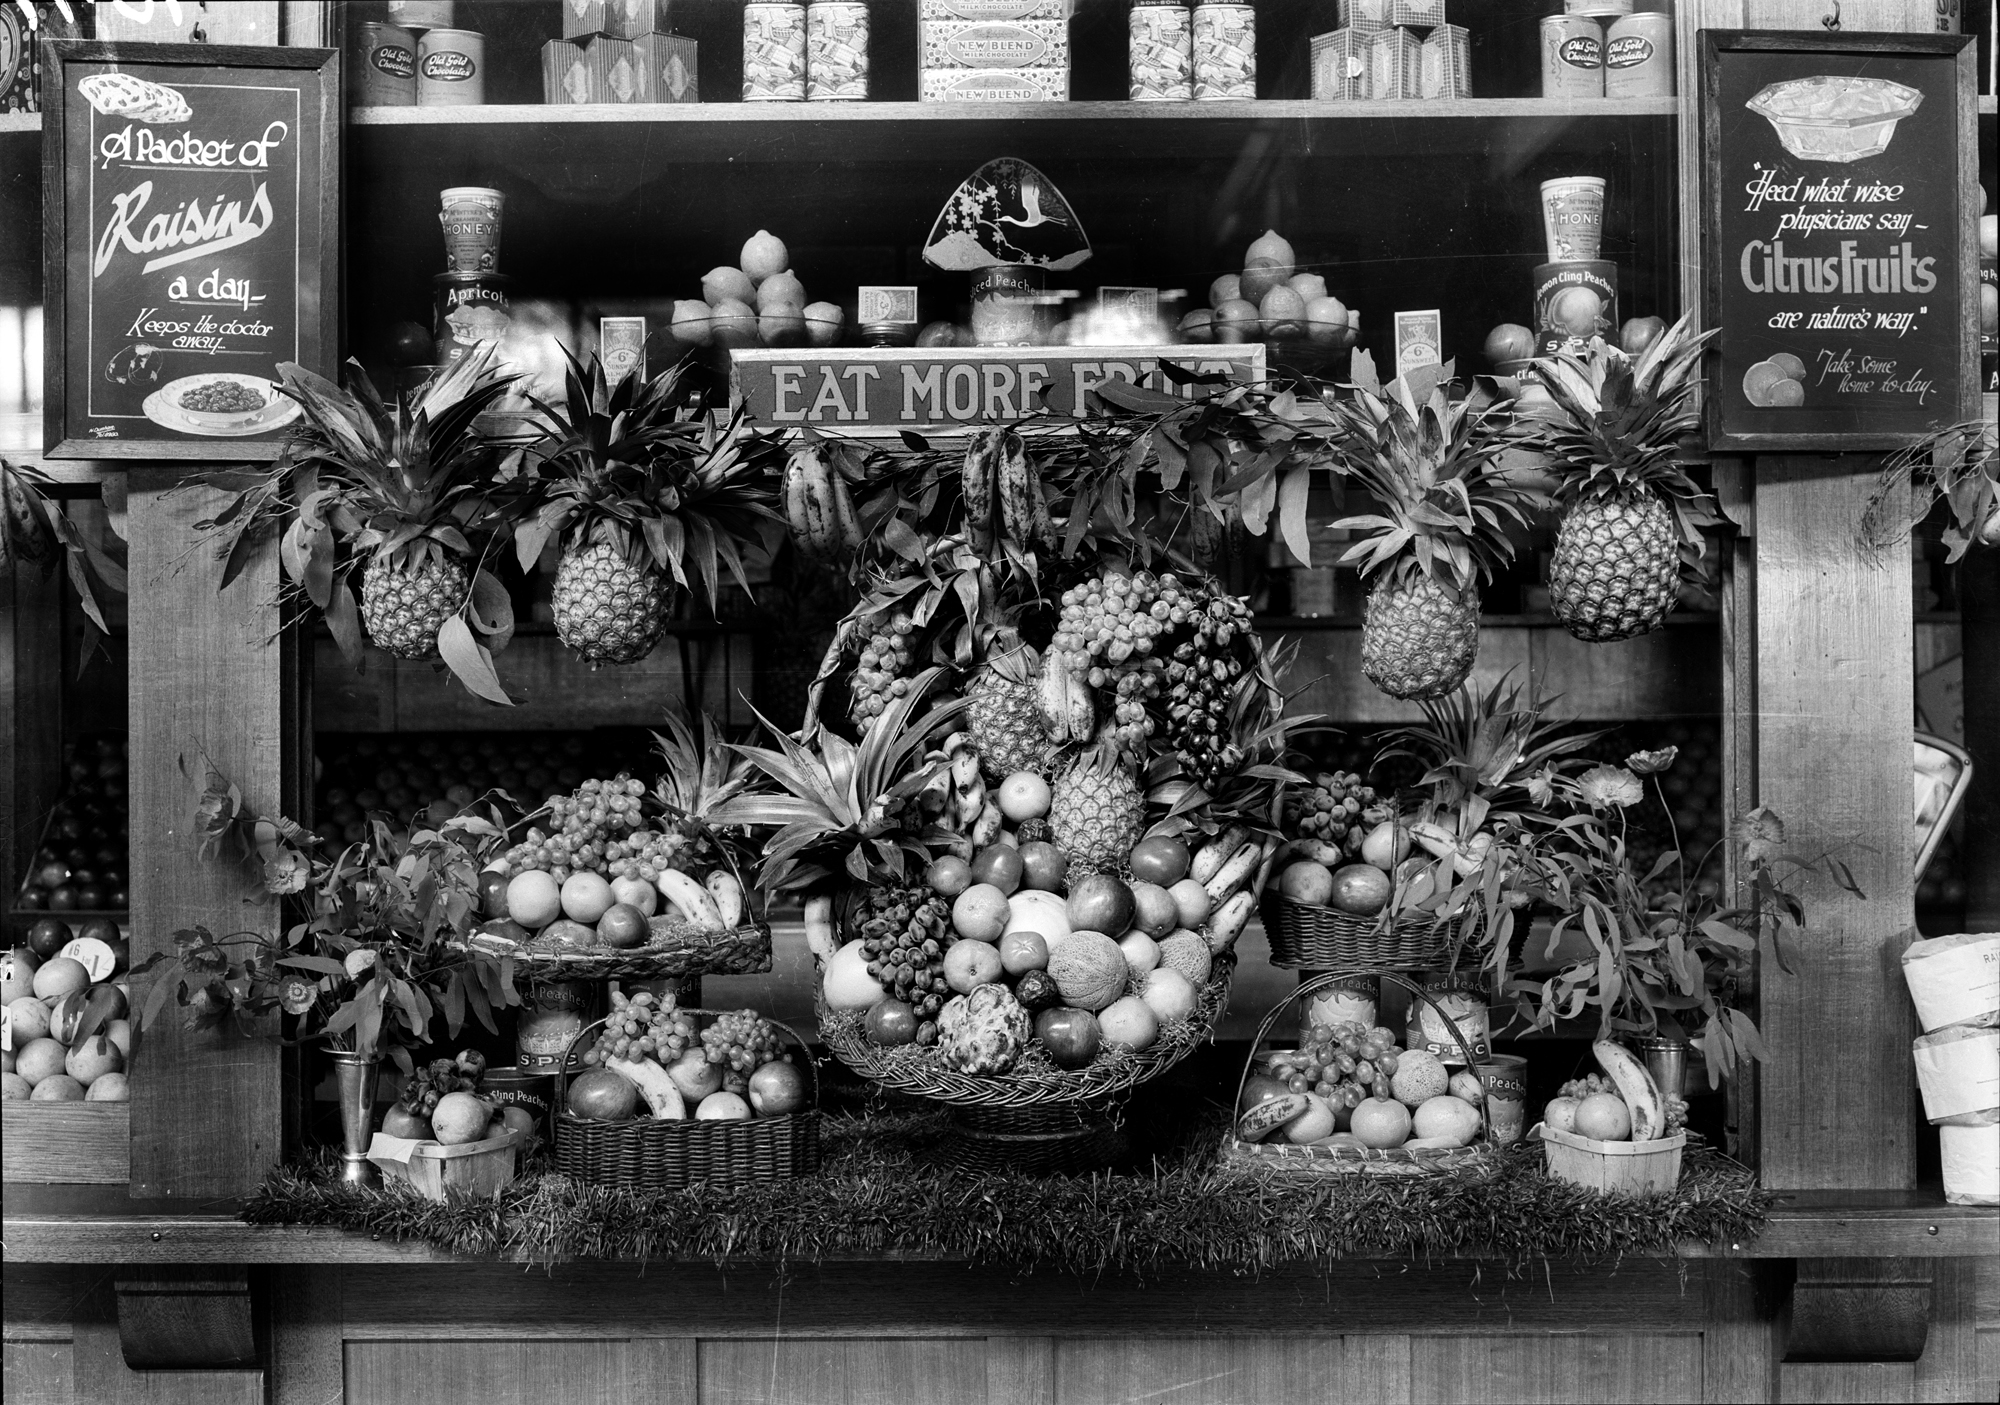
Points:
[(1188, 954), (1089, 969)]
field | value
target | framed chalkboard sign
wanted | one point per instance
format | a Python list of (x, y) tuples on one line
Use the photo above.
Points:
[(191, 242), (1840, 238)]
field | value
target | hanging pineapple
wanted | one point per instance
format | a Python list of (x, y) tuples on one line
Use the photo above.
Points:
[(1446, 511), (638, 487), (403, 495), (1630, 513)]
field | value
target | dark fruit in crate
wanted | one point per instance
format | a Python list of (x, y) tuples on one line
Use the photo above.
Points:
[(410, 345), (32, 898), (1071, 1036), (904, 933), (52, 874), (48, 936), (891, 1023), (881, 674), (599, 1095), (90, 898), (1036, 990), (102, 928)]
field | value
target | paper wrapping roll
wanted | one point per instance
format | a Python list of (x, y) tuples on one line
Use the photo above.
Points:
[(1955, 980), (1971, 1158), (1958, 1071)]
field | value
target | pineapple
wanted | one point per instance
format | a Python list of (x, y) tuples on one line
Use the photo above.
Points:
[(397, 495), (640, 487), (608, 609), (405, 603), (1005, 723), (1630, 512), (1446, 509), (1096, 813)]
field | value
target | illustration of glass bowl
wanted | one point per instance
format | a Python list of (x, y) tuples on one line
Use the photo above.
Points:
[(1835, 119)]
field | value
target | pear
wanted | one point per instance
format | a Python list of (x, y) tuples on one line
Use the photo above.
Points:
[(1270, 247), (1308, 285), (1282, 312), (764, 255), (1224, 289), (690, 322), (724, 283), (823, 322), (1260, 276), (781, 287)]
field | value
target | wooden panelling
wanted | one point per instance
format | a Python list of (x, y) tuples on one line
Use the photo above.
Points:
[(857, 1371), (1834, 704), (307, 1364), (30, 712), (527, 1370), (1979, 601), (206, 672), (1020, 1371), (1198, 1370), (103, 1378), (65, 1143), (551, 687), (1672, 672), (1739, 1344), (1568, 1369), (909, 1300), (1846, 1382), (38, 1373)]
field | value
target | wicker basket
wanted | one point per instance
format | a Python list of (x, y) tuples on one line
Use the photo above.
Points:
[(478, 1169), (1284, 1158), (652, 1155), (1307, 937), (1045, 1141), (1035, 1083), (674, 952), (1629, 1168)]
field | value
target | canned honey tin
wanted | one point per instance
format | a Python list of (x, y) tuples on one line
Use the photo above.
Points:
[(774, 53), (1639, 57), (451, 68), (1225, 52), (1007, 304), (421, 14), (836, 51), (385, 66), (1572, 57), (1395, 64), (471, 311), (470, 217), (1162, 49)]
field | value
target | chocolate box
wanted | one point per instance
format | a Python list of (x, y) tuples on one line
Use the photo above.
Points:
[(1444, 68), (994, 44), (621, 19), (1340, 66), (651, 68), (986, 11), (1416, 14), (1365, 16), (995, 85), (1395, 60)]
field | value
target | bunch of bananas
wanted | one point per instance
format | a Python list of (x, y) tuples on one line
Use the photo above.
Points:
[(997, 476), (818, 507)]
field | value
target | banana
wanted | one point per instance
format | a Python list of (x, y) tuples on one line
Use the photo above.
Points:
[(1082, 708), (654, 1086), (846, 526), (1636, 1086), (1052, 694), (976, 483), (1023, 511), (690, 899), (727, 894), (986, 828), (808, 509), (1441, 842), (1228, 924), (1234, 873), (1217, 852), (968, 787), (820, 939)]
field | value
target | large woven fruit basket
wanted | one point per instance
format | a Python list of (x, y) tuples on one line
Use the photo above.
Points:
[(1260, 1137), (674, 950), (651, 1153)]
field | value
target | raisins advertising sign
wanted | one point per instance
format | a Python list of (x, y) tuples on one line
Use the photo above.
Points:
[(190, 245), (1839, 244)]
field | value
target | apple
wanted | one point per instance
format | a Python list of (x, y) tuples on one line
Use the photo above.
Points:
[(777, 1088), (636, 892), (1639, 333), (1071, 1036), (623, 927), (1509, 341), (694, 1075), (891, 1023)]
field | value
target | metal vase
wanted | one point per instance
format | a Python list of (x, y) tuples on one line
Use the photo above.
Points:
[(1665, 1059), (355, 1079)]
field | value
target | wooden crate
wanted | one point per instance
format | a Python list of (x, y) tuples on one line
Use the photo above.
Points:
[(1630, 1168), (65, 1143), (477, 1169)]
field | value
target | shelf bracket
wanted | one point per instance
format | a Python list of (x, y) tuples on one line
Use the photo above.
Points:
[(1858, 1310), (177, 1319)]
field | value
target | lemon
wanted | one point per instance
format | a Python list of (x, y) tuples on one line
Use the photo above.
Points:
[(691, 322), (782, 324), (1271, 247), (823, 322), (734, 323), (764, 255), (725, 284), (1227, 288), (1282, 312), (1308, 286), (1260, 276), (1236, 321), (1326, 319), (781, 288)]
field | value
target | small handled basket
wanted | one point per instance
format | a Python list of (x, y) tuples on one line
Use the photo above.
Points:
[(668, 954), (1310, 1160), (645, 1154), (1308, 937)]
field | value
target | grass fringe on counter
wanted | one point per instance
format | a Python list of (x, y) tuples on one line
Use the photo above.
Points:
[(877, 1196)]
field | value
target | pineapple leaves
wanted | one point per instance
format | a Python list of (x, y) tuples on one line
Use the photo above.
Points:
[(470, 660)]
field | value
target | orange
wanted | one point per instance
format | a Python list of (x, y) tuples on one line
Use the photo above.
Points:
[(1604, 1117), (980, 913), (533, 899), (1380, 1123)]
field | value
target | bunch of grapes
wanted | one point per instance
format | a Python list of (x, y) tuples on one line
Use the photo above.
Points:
[(643, 1026), (904, 933), (585, 826), (1337, 808), (741, 1042), (1343, 1063), (882, 672), (1201, 686), (1581, 1088)]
